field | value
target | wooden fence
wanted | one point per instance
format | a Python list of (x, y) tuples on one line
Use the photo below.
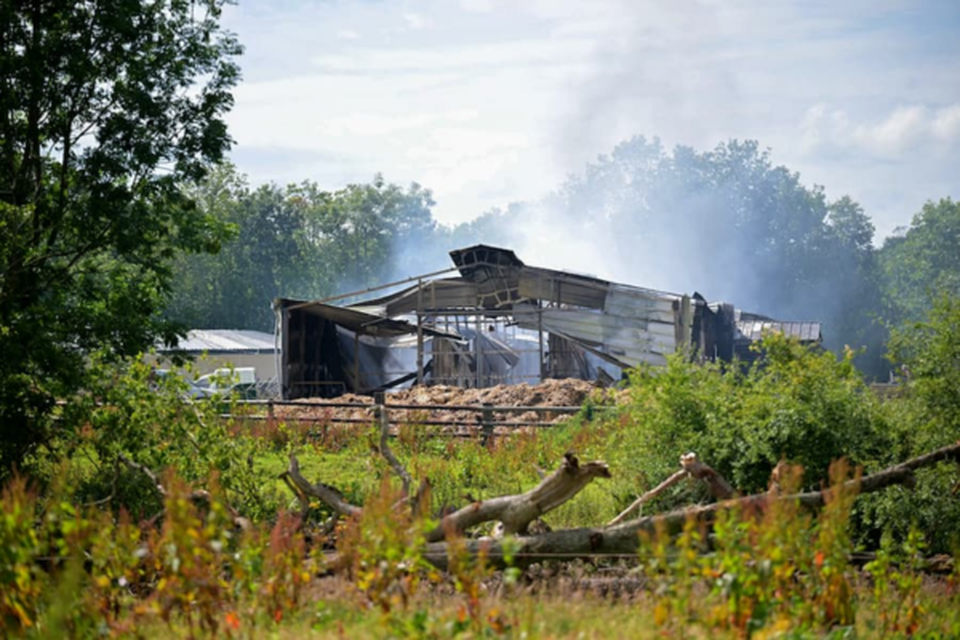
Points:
[(485, 420)]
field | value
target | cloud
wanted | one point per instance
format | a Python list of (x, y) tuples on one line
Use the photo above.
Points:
[(372, 124), (492, 101), (946, 124), (461, 58), (273, 123), (477, 6), (416, 21), (904, 130)]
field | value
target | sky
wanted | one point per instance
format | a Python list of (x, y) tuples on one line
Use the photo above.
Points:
[(487, 102)]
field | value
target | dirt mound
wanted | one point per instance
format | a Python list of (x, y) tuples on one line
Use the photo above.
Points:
[(550, 393)]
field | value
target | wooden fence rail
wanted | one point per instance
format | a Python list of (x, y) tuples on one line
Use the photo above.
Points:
[(408, 407), (485, 421)]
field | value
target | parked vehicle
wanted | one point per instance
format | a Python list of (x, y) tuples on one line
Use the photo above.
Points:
[(241, 381), (191, 390)]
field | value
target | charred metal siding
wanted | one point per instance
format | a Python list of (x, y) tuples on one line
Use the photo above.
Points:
[(755, 329), (633, 325)]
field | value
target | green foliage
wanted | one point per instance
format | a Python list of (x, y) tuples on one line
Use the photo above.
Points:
[(21, 579), (924, 415), (923, 261), (897, 580), (770, 567), (929, 355), (77, 571), (128, 411), (98, 98), (299, 241), (795, 404), (187, 557), (383, 549)]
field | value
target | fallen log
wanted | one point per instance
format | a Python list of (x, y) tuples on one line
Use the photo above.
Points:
[(623, 539), (516, 512)]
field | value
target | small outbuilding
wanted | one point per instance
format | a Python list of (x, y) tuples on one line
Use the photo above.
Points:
[(213, 349)]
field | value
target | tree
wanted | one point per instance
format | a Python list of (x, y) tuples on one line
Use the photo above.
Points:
[(382, 232), (730, 224), (929, 353), (850, 264), (196, 294), (300, 241), (265, 257), (106, 107), (923, 261)]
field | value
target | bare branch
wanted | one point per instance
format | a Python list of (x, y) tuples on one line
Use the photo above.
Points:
[(719, 488), (420, 501), (301, 498), (197, 495), (692, 467), (327, 494), (136, 466), (649, 495), (387, 452), (113, 487)]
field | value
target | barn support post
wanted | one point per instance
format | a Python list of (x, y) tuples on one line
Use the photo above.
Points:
[(419, 332), (357, 387), (543, 373), (477, 349)]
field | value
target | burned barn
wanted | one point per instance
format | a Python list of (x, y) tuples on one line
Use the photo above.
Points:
[(491, 319)]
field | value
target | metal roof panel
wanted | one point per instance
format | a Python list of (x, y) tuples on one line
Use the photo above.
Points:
[(225, 341)]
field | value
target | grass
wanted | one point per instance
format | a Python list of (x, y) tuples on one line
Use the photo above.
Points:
[(456, 467), (333, 613)]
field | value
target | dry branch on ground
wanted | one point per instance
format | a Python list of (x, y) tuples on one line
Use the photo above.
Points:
[(691, 467), (621, 539), (515, 512), (620, 536)]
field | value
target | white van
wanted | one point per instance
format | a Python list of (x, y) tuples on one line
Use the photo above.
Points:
[(242, 380)]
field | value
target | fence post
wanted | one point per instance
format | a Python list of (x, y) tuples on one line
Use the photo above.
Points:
[(486, 424), (380, 400)]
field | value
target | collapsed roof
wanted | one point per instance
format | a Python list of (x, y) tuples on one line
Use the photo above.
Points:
[(453, 329)]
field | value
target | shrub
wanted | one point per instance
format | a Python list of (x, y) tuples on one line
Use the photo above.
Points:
[(796, 404)]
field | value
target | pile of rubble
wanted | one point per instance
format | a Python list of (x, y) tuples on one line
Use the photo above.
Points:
[(434, 399)]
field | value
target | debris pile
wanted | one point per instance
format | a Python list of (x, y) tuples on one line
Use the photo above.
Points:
[(550, 393)]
